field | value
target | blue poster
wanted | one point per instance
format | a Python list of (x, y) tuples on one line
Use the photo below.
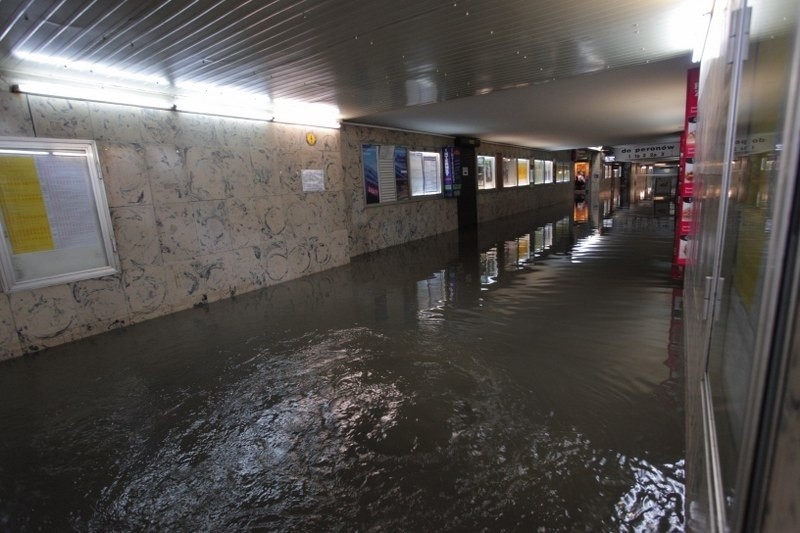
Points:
[(401, 173), (451, 158), (369, 154)]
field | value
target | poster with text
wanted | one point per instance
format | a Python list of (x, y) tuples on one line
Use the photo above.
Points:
[(369, 155)]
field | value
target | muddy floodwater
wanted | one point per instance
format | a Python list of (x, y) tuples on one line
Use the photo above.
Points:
[(520, 378)]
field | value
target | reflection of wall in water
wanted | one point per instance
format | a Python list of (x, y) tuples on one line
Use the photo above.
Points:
[(432, 292), (514, 255), (489, 270), (581, 210)]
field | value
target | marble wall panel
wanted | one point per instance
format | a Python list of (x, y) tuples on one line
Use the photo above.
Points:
[(327, 211), (9, 340), (159, 126), (238, 173), (291, 138), (196, 130), (166, 167), (238, 133), (300, 256), (328, 140), (304, 217), (248, 269), (15, 118), (217, 271), (116, 123), (266, 172), (265, 136), (125, 174), (100, 304), (206, 169), (136, 235), (272, 216), (212, 226), (147, 290), (334, 173), (290, 166), (338, 245), (44, 317), (60, 118), (276, 261), (177, 231), (187, 287), (329, 250), (244, 222)]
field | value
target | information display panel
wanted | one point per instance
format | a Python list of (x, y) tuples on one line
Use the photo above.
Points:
[(54, 214)]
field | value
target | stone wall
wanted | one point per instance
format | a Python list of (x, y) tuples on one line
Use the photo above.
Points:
[(202, 208), (500, 203), (379, 226)]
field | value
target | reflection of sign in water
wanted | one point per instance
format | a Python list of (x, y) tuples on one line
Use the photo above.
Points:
[(581, 211), (22, 203), (313, 180)]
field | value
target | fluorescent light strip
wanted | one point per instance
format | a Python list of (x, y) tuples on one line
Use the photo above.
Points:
[(208, 106), (227, 103), (310, 114), (102, 94)]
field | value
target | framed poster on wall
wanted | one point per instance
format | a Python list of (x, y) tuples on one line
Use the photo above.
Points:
[(55, 221)]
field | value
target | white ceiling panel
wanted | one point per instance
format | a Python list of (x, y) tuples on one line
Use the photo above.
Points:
[(509, 64)]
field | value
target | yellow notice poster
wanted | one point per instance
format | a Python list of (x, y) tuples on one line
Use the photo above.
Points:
[(23, 207)]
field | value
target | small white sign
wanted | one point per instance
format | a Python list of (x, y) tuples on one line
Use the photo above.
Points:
[(313, 180)]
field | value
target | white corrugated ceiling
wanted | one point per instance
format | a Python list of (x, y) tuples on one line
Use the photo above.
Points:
[(546, 73)]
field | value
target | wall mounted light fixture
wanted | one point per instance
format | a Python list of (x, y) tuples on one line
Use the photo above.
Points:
[(110, 95), (216, 102)]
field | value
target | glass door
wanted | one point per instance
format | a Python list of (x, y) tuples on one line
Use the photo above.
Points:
[(747, 183), (715, 136)]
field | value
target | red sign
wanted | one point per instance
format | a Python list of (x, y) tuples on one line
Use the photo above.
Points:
[(685, 212)]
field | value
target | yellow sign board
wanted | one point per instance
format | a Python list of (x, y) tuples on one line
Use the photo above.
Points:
[(23, 208)]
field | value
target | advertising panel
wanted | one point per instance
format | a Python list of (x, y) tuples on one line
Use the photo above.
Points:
[(684, 222)]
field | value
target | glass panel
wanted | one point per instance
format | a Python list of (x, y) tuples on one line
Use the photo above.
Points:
[(509, 172), (707, 144), (548, 172), (425, 171), (538, 171), (486, 172), (523, 171), (747, 227), (53, 214)]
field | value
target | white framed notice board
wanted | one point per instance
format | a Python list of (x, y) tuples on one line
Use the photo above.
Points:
[(54, 216)]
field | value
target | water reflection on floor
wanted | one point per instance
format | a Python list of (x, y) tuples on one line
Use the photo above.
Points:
[(516, 379)]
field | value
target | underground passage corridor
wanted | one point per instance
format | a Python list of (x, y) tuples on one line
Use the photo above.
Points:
[(525, 376)]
